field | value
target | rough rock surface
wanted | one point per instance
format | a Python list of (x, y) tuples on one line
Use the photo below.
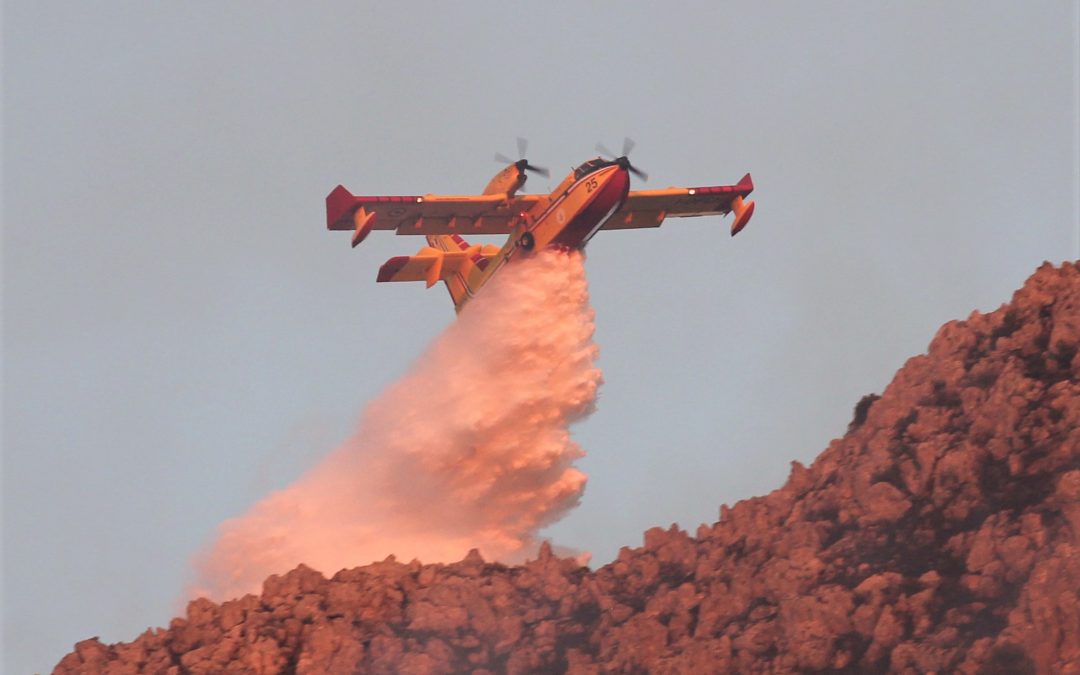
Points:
[(940, 534)]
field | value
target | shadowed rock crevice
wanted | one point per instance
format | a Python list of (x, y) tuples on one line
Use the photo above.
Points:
[(941, 533)]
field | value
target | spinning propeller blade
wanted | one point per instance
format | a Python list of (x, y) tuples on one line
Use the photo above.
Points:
[(623, 160), (522, 163), (537, 170)]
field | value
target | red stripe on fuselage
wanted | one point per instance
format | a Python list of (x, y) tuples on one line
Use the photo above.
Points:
[(607, 199)]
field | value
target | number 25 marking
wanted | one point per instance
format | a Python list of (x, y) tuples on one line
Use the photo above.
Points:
[(591, 185)]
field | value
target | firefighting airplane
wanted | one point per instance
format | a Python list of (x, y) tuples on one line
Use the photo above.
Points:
[(595, 196)]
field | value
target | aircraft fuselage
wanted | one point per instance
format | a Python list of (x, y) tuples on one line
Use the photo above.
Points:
[(574, 216), (569, 217)]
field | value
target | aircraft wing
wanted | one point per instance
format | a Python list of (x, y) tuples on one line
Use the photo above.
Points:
[(649, 208), (424, 214)]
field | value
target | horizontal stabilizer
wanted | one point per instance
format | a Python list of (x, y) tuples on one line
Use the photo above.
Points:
[(429, 265), (433, 264)]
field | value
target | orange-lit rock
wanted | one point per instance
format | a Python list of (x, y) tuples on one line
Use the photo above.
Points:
[(941, 533)]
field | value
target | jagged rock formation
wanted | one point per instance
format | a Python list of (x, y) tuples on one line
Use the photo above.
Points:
[(941, 533)]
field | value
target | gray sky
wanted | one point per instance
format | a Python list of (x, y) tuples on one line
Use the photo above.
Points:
[(181, 334)]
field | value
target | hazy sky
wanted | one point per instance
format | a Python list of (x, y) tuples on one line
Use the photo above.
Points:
[(182, 335)]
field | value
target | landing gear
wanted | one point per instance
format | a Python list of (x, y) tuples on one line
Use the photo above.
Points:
[(526, 241)]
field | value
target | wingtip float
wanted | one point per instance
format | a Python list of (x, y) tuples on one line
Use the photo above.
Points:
[(595, 196)]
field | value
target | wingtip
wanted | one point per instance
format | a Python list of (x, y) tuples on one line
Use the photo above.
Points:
[(340, 204)]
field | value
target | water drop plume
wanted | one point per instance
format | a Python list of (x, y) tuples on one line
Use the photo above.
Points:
[(470, 448)]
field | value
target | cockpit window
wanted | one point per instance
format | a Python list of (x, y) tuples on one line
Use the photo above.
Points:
[(589, 166)]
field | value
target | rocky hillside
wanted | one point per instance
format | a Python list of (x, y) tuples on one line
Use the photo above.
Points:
[(941, 533)]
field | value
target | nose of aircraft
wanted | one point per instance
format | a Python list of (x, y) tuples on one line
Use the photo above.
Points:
[(624, 162)]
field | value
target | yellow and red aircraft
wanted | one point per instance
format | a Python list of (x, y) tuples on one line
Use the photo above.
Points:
[(595, 196)]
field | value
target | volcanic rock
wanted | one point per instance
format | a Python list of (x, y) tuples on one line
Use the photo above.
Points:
[(940, 534)]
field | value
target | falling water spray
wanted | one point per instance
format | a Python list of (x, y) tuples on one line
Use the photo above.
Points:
[(470, 449)]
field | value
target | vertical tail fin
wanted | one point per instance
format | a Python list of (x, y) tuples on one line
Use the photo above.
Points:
[(461, 284)]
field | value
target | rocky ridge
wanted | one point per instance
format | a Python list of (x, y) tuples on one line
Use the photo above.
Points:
[(940, 534)]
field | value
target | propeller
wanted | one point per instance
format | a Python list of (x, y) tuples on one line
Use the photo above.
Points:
[(523, 164), (623, 159)]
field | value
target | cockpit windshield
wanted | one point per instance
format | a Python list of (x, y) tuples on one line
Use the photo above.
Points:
[(590, 166)]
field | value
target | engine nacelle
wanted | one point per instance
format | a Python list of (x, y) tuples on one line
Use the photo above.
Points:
[(508, 181)]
